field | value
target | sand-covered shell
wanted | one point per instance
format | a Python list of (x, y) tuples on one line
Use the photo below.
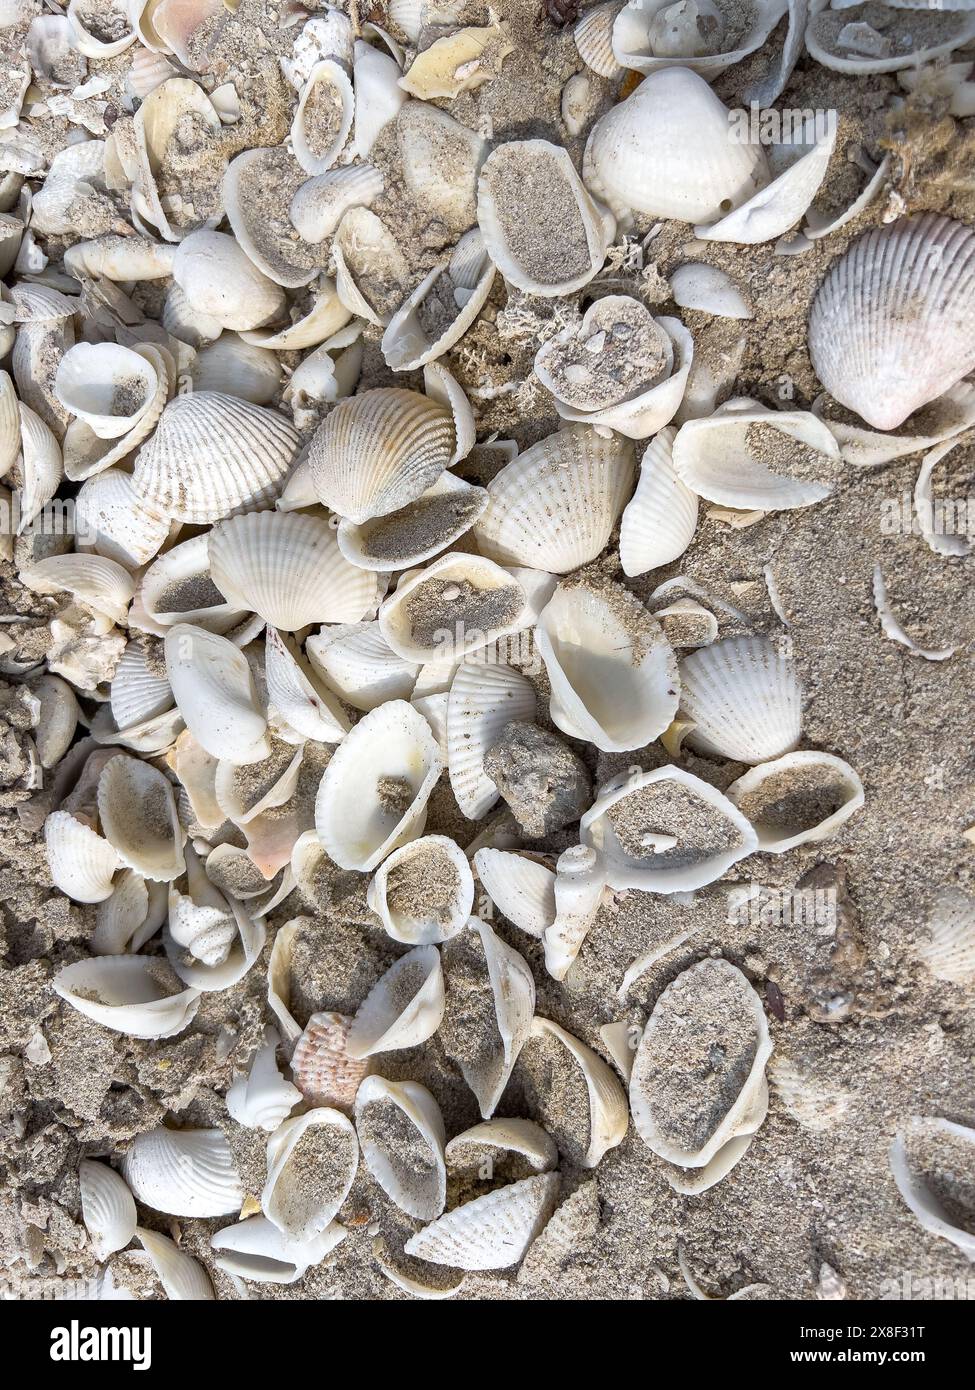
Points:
[(323, 117), (484, 697), (137, 812), (183, 1278), (261, 1098), (287, 567), (297, 696), (82, 862), (403, 1009), (213, 455), (949, 948), (319, 205), (665, 831), (857, 39), (107, 386), (101, 31), (527, 188), (660, 518), (177, 588), (743, 696), (107, 1208), (214, 688), (437, 314), (371, 269), (423, 893), (356, 661), (892, 326), (798, 799), (613, 673), (259, 222), (457, 61), (311, 1166), (254, 1249), (554, 506), (42, 462), (220, 280), (323, 1071), (814, 1104), (454, 606), (100, 585), (374, 792), (490, 1232), (667, 151), (415, 533), (524, 1138), (401, 1136), (924, 1199), (700, 34), (440, 161), (519, 886), (85, 454), (608, 1118), (124, 993), (184, 1172), (696, 285)]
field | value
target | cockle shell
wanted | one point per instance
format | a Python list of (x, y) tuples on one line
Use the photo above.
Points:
[(41, 466), (267, 235), (490, 603), (214, 689), (219, 279), (287, 567), (293, 692), (113, 520), (138, 817), (490, 1232), (182, 1277), (302, 1195), (613, 673), (147, 72), (177, 588), (168, 109), (100, 585), (484, 697), (415, 533), (261, 1098), (520, 887), (949, 951), (57, 718), (319, 205), (374, 793), (130, 917), (519, 175), (743, 697), (9, 424), (403, 1009), (123, 993), (891, 328), (324, 1072), (107, 386), (184, 1172), (765, 792), (236, 368), (82, 862), (593, 36), (415, 1181), (257, 1251), (847, 41), (107, 1208), (919, 1195), (608, 1118), (356, 662), (433, 858), (323, 117), (815, 1105), (522, 1137), (649, 35), (554, 506), (462, 284), (660, 518)]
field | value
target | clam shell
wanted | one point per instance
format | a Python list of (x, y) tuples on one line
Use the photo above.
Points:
[(415, 533), (593, 36), (130, 917), (138, 817), (301, 701), (814, 1105), (214, 689), (554, 506), (184, 1172), (378, 95), (41, 467), (319, 205), (419, 927), (299, 1198), (182, 1277), (949, 951), (890, 328), (57, 718), (177, 588), (463, 283), (237, 368), (649, 35), (261, 1098), (440, 160), (115, 522), (156, 136), (509, 611), (323, 118), (456, 62), (122, 993), (522, 1137), (403, 1009), (483, 699), (490, 1232), (257, 1251), (608, 1118), (106, 385), (85, 455), (90, 43), (743, 696), (907, 41), (9, 424), (314, 321), (416, 1182), (660, 518), (371, 271), (81, 862), (356, 662), (521, 888), (918, 1194), (220, 280), (100, 585), (764, 793), (324, 1072), (267, 235), (107, 1208)]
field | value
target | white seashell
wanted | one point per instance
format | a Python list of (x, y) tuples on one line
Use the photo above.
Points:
[(513, 177), (416, 1180), (276, 778), (847, 42), (918, 1194), (123, 993), (214, 689), (371, 271), (357, 663), (220, 280), (257, 1251), (100, 585), (268, 238), (177, 588), (116, 258), (311, 1166), (236, 368), (705, 287), (667, 151), (301, 701), (9, 425), (202, 925), (189, 325), (182, 1277), (521, 888), (407, 1283), (490, 1232), (147, 72), (458, 61), (107, 1208), (484, 697), (462, 284), (157, 193), (183, 1172), (593, 36), (82, 863), (415, 533), (319, 205), (213, 455), (949, 951), (926, 510), (890, 328), (287, 567), (86, 455), (814, 1105), (689, 866), (57, 718), (50, 41), (435, 869), (743, 696), (403, 1009), (261, 1098), (774, 797), (314, 320), (577, 104), (374, 793), (130, 917), (650, 36), (378, 96), (112, 519), (88, 22), (323, 117), (583, 635), (709, 1127), (522, 1137), (41, 467), (618, 1040), (608, 1118), (892, 628), (496, 968), (476, 601), (660, 518), (580, 880), (554, 506), (138, 817), (440, 161)]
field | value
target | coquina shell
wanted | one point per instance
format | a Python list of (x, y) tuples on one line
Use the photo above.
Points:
[(184, 1172), (420, 1188), (107, 1208), (743, 696), (490, 1232)]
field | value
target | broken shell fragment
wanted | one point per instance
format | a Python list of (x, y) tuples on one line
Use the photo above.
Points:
[(437, 314), (261, 1098), (124, 993), (798, 799), (323, 117), (214, 689), (580, 880), (490, 1232), (295, 695), (256, 1250), (182, 1277), (484, 697), (608, 1117), (403, 1009), (356, 662)]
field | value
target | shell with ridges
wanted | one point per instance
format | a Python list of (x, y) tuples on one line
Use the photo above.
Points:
[(323, 1071), (184, 1172), (182, 1277), (107, 1208), (81, 862), (320, 203), (359, 665), (214, 689), (660, 518), (521, 888), (112, 519), (261, 1098), (484, 697), (949, 951), (490, 1232), (743, 696)]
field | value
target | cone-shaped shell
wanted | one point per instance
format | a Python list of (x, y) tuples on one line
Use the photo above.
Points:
[(744, 699), (608, 1118), (122, 993), (107, 1208), (403, 1008), (311, 1166), (660, 518), (484, 697), (787, 800), (357, 663), (184, 1172), (137, 811), (423, 893), (214, 689), (417, 1179), (491, 1232)]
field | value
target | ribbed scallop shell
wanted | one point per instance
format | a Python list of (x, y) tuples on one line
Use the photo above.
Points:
[(112, 519), (521, 888), (304, 704), (490, 1232), (377, 452), (287, 567), (554, 506), (137, 694), (182, 1277), (892, 326), (484, 697), (122, 993), (82, 863), (9, 424), (295, 1198), (420, 1188), (213, 455), (660, 518), (107, 1208), (390, 1018), (949, 951), (184, 1172), (813, 1104), (831, 774), (419, 929), (324, 1072), (214, 689), (100, 585), (594, 39), (138, 817), (42, 465), (358, 663), (608, 1116), (743, 696)]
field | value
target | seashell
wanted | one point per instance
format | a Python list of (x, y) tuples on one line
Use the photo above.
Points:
[(846, 40), (580, 879), (323, 1071), (371, 271), (323, 117), (177, 587), (415, 334), (522, 1137), (261, 1098), (57, 718), (199, 928), (125, 994), (301, 701), (486, 977), (214, 689), (113, 257), (440, 161), (687, 623), (183, 1172), (423, 893), (357, 663), (617, 1038), (86, 455), (926, 509), (314, 320), (41, 467), (403, 1009), (660, 518), (319, 205), (890, 327), (814, 1105), (257, 1251), (743, 696), (647, 839), (577, 105), (401, 1134), (269, 785), (490, 1232), (416, 532), (50, 44), (138, 817), (265, 232), (407, 1283), (160, 196), (459, 61), (924, 1201), (788, 800), (201, 921), (100, 585), (483, 699), (374, 793), (182, 1277), (220, 280), (949, 951), (593, 36), (147, 72), (9, 425), (892, 628), (621, 369), (287, 567), (696, 1114), (130, 917), (112, 519), (457, 605), (137, 693), (608, 1118), (94, 27), (107, 1208), (554, 506), (521, 888), (236, 368), (665, 151), (81, 862), (523, 174), (584, 634), (378, 96), (650, 36), (213, 455), (695, 285), (379, 451), (189, 325), (311, 1166)]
